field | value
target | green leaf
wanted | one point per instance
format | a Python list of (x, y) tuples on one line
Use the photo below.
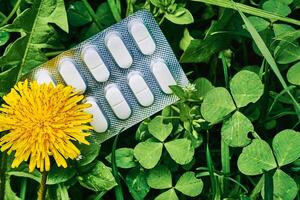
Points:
[(285, 188), (180, 16), (256, 158), (115, 7), (202, 86), (277, 7), (23, 171), (287, 50), (9, 193), (180, 150), (104, 15), (78, 14), (57, 192), (142, 132), (148, 153), (7, 80), (99, 178), (189, 185), (160, 178), (293, 74), (201, 50), (246, 87), (185, 40), (157, 3), (4, 37), (124, 158), (137, 183), (286, 146), (158, 129), (178, 91), (168, 195), (259, 23), (38, 33), (287, 54), (105, 18), (88, 153), (216, 105), (235, 130), (59, 175), (282, 29)]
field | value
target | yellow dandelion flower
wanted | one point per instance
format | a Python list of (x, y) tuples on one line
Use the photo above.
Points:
[(41, 121)]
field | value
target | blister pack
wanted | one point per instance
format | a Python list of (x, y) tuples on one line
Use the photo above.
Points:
[(124, 71)]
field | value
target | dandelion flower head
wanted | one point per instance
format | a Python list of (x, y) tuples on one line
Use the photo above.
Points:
[(43, 121)]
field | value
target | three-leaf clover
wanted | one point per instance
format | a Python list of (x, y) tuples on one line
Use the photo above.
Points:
[(246, 87), (160, 178), (148, 153), (258, 157)]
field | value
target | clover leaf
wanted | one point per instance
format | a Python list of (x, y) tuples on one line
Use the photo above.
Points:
[(216, 105), (158, 129), (180, 150), (256, 158), (148, 153), (284, 186), (235, 130), (293, 74), (189, 185), (246, 87), (286, 147), (168, 195), (137, 183), (160, 177)]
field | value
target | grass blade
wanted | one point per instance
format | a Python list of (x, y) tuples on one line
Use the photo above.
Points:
[(213, 178), (256, 191), (250, 10)]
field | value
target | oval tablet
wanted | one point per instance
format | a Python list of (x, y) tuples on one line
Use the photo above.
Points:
[(95, 64), (71, 76), (99, 122), (163, 76), (43, 76), (117, 102), (140, 89), (142, 38), (119, 51)]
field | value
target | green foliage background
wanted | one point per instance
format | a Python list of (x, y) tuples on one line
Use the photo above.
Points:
[(234, 133)]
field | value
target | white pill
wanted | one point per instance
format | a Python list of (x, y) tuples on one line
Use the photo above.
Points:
[(140, 89), (95, 64), (99, 122), (71, 76), (142, 38), (163, 76), (117, 102), (119, 51), (43, 76)]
